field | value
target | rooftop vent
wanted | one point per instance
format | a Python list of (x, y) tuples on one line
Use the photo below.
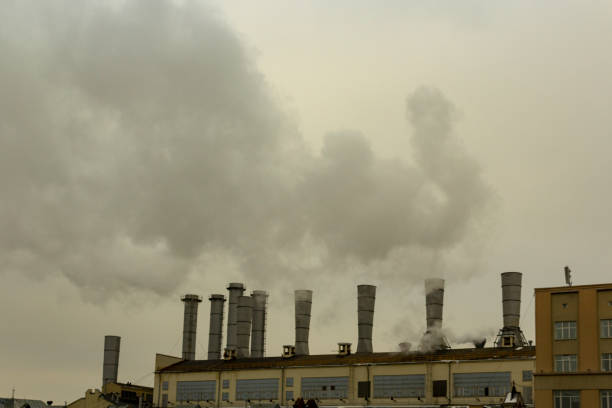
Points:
[(229, 354), (511, 334), (344, 349), (288, 351)]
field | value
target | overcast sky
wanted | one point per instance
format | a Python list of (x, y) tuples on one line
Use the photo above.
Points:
[(150, 149)]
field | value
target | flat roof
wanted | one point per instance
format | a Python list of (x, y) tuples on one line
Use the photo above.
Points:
[(576, 288), (471, 354)]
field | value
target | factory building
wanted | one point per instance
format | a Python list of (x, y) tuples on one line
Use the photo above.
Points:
[(435, 375), (574, 340)]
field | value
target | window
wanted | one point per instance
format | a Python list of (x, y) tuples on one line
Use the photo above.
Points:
[(606, 329), (527, 375), (225, 396), (565, 330), (289, 395), (289, 381), (363, 389), (606, 362), (260, 389), (164, 400), (565, 363), (165, 386), (387, 386), (606, 399), (226, 384), (321, 387), (439, 388), (495, 384), (567, 399), (196, 390), (528, 395)]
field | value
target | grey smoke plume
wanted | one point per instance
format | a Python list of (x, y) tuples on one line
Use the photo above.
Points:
[(137, 138)]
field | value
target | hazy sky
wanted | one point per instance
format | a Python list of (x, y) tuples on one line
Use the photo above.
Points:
[(150, 149)]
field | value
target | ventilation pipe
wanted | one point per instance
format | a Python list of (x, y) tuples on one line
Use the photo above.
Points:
[(111, 359), (303, 306), (235, 291), (243, 329), (190, 325), (258, 332), (434, 339), (366, 297), (511, 334), (215, 331)]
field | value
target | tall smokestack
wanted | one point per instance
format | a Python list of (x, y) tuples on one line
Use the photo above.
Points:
[(190, 325), (434, 339), (111, 359), (303, 306), (511, 335), (243, 328), (366, 297), (258, 333), (235, 291), (215, 332)]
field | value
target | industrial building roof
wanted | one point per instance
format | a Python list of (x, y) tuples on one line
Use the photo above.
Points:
[(470, 354)]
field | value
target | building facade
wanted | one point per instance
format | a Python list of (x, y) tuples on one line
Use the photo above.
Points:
[(461, 377), (574, 347)]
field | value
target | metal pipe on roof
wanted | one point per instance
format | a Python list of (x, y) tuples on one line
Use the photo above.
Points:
[(110, 368), (434, 302), (235, 291), (243, 329), (511, 298), (190, 325), (215, 331), (303, 306), (258, 332), (366, 297)]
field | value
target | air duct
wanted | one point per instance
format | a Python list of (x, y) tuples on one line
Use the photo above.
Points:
[(258, 332), (215, 332), (111, 359), (366, 297), (235, 291), (434, 339), (511, 335), (190, 325), (243, 327), (303, 306)]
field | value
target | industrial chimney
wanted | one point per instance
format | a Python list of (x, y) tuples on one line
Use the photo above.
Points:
[(303, 305), (434, 339), (215, 332), (235, 291), (511, 334), (258, 333), (243, 327), (190, 325), (111, 359), (366, 297)]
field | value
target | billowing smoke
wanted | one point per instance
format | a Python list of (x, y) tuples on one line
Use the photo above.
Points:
[(138, 139)]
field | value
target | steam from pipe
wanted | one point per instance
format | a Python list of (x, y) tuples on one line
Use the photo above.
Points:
[(366, 297), (215, 331), (303, 306), (190, 325), (434, 302)]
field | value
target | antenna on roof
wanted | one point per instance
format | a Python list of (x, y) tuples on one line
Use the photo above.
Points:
[(568, 276)]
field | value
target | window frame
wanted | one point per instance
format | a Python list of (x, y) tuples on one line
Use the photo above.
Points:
[(566, 330), (565, 363), (605, 327), (607, 394), (566, 399)]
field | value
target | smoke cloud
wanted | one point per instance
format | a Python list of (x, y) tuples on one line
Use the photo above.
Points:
[(138, 141)]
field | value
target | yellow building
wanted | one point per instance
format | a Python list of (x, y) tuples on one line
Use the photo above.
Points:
[(461, 377), (574, 347)]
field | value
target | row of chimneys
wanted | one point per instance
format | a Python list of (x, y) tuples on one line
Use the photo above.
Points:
[(246, 322)]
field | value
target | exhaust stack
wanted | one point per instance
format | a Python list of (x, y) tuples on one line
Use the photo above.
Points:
[(111, 359), (258, 333), (243, 329), (215, 331), (303, 306), (366, 297), (434, 339), (511, 334), (190, 325), (235, 291)]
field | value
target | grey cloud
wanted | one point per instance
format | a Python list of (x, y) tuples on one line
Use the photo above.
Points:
[(138, 138)]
